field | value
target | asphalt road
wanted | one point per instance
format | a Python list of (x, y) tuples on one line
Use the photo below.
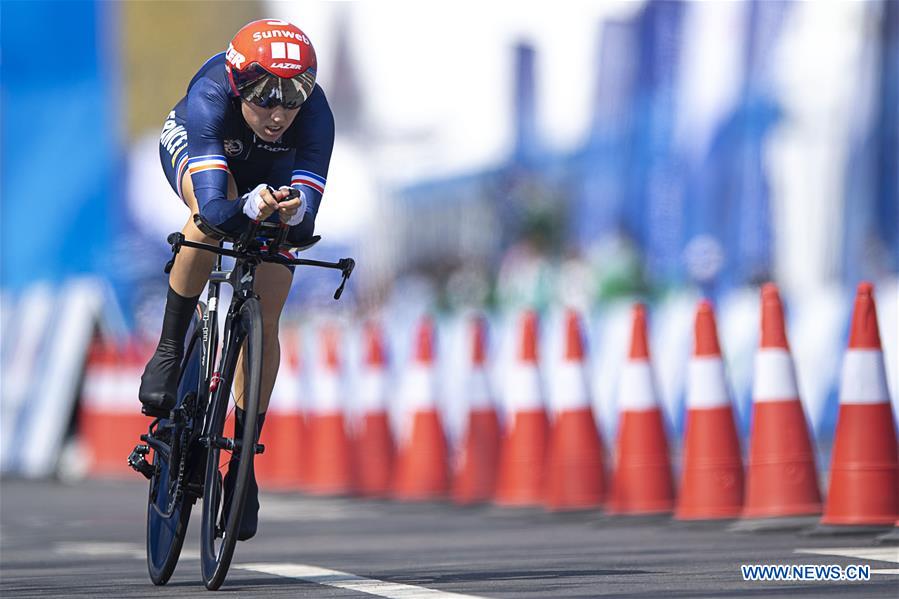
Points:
[(86, 540)]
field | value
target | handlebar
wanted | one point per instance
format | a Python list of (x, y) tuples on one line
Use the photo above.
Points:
[(247, 247)]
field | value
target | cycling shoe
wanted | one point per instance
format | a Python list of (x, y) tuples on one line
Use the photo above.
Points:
[(159, 383)]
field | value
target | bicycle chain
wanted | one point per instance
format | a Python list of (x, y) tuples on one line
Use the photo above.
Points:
[(182, 462), (182, 466)]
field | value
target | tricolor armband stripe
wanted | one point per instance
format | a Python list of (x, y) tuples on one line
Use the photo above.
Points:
[(308, 178), (204, 163)]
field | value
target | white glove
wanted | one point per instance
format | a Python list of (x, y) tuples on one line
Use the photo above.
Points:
[(301, 211), (252, 205)]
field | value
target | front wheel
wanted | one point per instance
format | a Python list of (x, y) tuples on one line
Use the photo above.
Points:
[(168, 509), (220, 525)]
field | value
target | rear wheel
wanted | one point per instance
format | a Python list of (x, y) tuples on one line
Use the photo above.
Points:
[(168, 510), (220, 525)]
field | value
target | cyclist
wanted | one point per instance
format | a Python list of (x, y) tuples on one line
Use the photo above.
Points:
[(253, 125)]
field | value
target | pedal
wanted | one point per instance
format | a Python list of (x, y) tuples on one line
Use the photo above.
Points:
[(138, 463)]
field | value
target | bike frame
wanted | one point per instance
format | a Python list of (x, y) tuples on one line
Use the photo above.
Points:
[(248, 252), (242, 279), (177, 436)]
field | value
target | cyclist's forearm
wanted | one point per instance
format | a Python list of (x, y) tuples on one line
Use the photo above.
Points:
[(220, 212), (215, 207)]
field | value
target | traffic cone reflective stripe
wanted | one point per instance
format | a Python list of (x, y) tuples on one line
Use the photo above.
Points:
[(475, 478), (523, 449), (643, 483), (781, 479), (374, 445), (706, 385), (774, 378), (636, 389), (421, 466), (575, 477), (863, 378), (864, 477), (712, 477)]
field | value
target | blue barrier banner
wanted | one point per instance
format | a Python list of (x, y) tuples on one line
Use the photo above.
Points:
[(656, 196), (871, 213), (58, 130), (600, 200), (526, 140)]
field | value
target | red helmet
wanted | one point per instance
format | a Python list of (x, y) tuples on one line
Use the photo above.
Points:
[(271, 62)]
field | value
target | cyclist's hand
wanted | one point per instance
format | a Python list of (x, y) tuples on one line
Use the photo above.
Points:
[(293, 210), (259, 204)]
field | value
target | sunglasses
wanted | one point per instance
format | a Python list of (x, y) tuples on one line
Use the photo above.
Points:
[(268, 91)]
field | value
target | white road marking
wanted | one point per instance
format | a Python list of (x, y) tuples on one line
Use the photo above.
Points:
[(344, 580), (880, 554)]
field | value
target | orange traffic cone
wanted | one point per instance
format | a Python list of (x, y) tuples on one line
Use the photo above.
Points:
[(100, 404), (119, 423), (575, 477), (643, 483), (279, 467), (712, 476), (475, 478), (781, 479), (329, 445), (421, 466), (523, 450), (864, 472), (374, 443)]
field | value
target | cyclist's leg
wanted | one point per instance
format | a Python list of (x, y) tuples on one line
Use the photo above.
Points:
[(186, 281)]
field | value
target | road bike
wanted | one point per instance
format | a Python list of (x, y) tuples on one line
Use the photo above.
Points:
[(184, 449)]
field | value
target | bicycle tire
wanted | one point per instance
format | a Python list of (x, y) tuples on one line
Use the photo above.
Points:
[(215, 555), (167, 528)]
